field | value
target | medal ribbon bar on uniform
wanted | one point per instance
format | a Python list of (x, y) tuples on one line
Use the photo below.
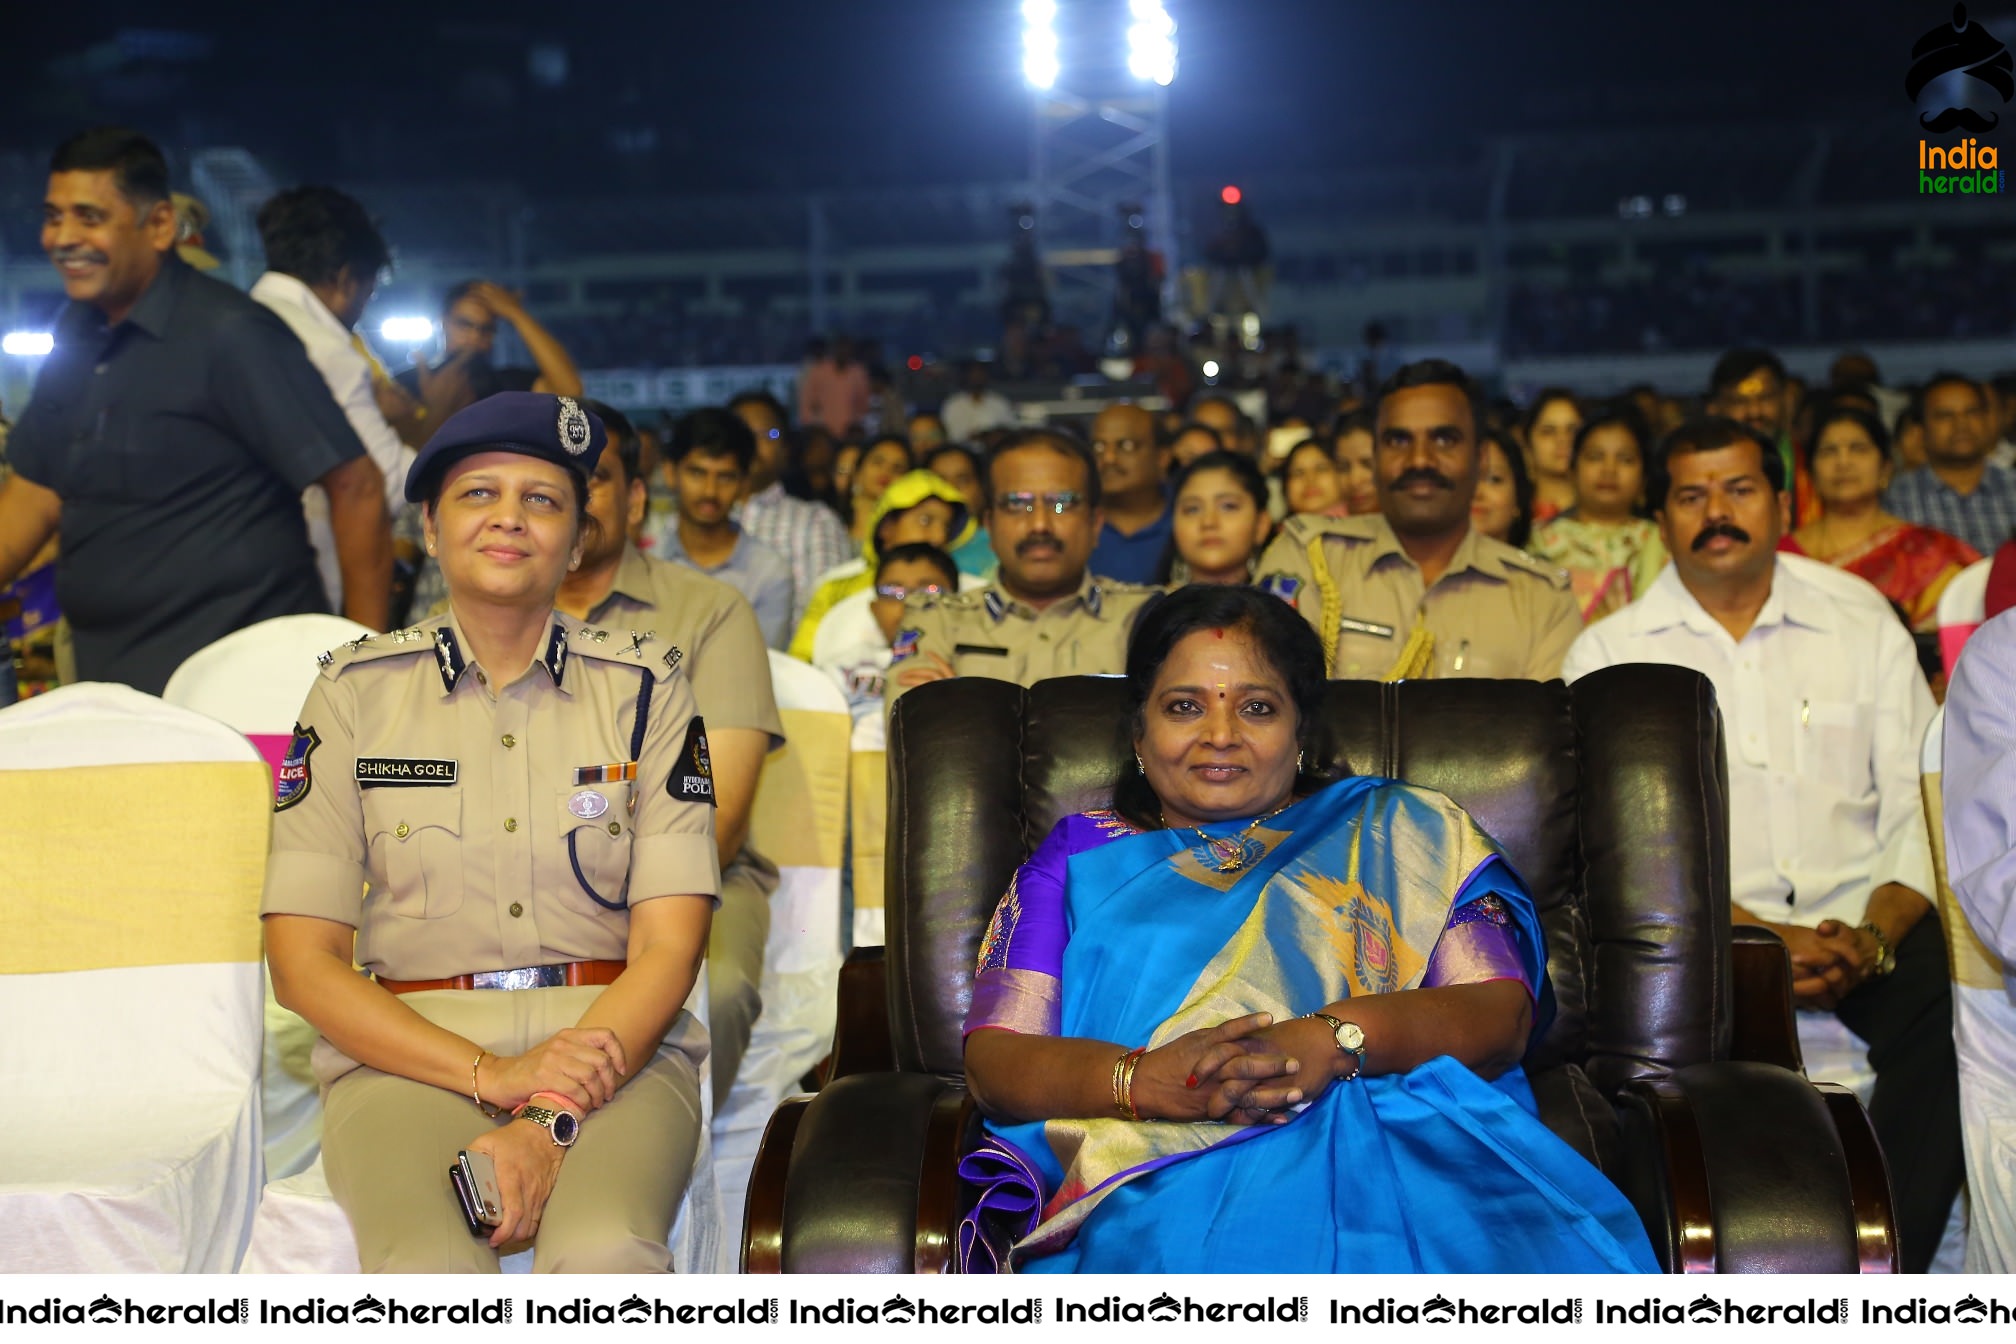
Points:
[(605, 774)]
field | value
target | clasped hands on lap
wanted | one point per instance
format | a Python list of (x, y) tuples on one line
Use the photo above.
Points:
[(583, 1064)]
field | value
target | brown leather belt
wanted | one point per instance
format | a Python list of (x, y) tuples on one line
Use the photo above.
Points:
[(572, 973)]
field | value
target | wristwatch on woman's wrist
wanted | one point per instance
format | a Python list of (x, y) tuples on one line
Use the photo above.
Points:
[(562, 1125), (1350, 1038)]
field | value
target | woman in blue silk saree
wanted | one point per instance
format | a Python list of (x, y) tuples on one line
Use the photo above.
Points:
[(1122, 972)]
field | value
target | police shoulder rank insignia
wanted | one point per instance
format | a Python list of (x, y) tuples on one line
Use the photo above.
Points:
[(692, 777), (294, 779), (905, 645), (574, 430)]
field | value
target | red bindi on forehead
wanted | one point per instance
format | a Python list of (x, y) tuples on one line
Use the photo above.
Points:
[(1217, 634)]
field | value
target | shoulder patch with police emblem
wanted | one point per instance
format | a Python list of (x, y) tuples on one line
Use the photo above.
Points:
[(904, 645), (1284, 586), (574, 430), (692, 777), (295, 778)]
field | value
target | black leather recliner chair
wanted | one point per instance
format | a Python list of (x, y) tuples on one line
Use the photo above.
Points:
[(1672, 1062)]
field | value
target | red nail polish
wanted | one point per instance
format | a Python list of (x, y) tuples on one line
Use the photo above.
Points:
[(1192, 1082)]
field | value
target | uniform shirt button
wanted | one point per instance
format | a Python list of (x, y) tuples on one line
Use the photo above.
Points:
[(516, 910), (615, 828), (509, 740), (510, 823), (402, 830)]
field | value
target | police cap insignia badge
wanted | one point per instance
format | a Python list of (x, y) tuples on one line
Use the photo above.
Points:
[(575, 431)]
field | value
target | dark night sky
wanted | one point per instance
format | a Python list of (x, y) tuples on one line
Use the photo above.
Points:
[(797, 95)]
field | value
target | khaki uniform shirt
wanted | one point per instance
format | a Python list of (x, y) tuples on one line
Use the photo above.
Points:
[(727, 662), (1496, 611), (498, 826), (987, 633)]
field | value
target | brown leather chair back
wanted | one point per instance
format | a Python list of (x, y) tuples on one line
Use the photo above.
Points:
[(1607, 796)]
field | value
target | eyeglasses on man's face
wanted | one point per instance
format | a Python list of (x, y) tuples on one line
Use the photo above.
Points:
[(897, 592), (1027, 504)]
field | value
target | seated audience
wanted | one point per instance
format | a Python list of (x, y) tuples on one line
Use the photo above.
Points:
[(1044, 615), (708, 462), (1416, 590), (1191, 440), (1824, 709), (1502, 508), (808, 535), (1979, 780), (1849, 459), (1310, 483), (1307, 1112), (974, 408), (618, 588), (1351, 449), (1234, 426), (926, 432), (1548, 432), (1958, 491), (465, 372), (853, 641), (1221, 522), (882, 460), (596, 927), (1134, 491), (959, 467), (1609, 547), (917, 507), (1749, 386)]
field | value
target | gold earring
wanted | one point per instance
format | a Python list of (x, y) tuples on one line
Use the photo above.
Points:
[(1139, 768)]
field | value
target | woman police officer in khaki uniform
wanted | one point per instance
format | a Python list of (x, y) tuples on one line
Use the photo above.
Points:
[(531, 802)]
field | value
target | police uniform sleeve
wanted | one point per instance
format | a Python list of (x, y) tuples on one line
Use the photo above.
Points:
[(1557, 622), (925, 629), (730, 669), (316, 865), (673, 851)]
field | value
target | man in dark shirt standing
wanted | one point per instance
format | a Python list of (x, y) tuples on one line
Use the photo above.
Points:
[(169, 439)]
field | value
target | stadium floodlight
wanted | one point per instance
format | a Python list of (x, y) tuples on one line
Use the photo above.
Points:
[(1151, 42), (27, 344), (407, 330), (1039, 43)]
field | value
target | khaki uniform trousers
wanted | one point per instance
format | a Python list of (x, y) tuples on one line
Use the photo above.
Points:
[(735, 944), (387, 1144)]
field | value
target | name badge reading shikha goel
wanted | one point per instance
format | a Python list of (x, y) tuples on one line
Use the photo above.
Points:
[(404, 772)]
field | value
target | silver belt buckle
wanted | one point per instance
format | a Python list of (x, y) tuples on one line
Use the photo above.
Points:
[(524, 977)]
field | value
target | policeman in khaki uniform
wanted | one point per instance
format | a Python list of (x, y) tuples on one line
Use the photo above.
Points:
[(531, 802), (1044, 615), (619, 587), (1416, 591)]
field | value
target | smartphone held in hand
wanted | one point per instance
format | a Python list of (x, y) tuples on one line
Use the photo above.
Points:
[(474, 1178)]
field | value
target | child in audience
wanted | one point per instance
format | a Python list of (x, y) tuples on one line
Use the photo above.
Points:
[(854, 647)]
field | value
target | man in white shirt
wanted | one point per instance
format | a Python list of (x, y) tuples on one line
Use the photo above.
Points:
[(974, 408), (1823, 711), (323, 258)]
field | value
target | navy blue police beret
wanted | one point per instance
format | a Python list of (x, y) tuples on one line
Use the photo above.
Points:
[(558, 429)]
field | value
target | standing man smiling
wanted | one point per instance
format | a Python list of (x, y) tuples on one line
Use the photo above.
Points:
[(170, 437)]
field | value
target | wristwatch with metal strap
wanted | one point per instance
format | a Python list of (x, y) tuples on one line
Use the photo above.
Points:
[(1350, 1039), (560, 1124)]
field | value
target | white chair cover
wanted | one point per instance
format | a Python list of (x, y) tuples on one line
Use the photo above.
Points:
[(256, 680), (131, 994), (798, 823), (1963, 605)]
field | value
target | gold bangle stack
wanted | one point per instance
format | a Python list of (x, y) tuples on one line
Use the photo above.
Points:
[(1123, 1082)]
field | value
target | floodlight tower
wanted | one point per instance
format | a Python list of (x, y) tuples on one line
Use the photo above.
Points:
[(1101, 141)]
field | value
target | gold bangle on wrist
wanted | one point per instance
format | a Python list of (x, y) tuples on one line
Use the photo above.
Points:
[(475, 1093), (1123, 1082)]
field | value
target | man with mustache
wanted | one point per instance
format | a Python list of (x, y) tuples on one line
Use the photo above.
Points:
[(1044, 615), (1414, 590), (170, 437), (1823, 711), (708, 463)]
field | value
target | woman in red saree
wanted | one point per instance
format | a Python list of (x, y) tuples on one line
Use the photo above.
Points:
[(1849, 456)]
